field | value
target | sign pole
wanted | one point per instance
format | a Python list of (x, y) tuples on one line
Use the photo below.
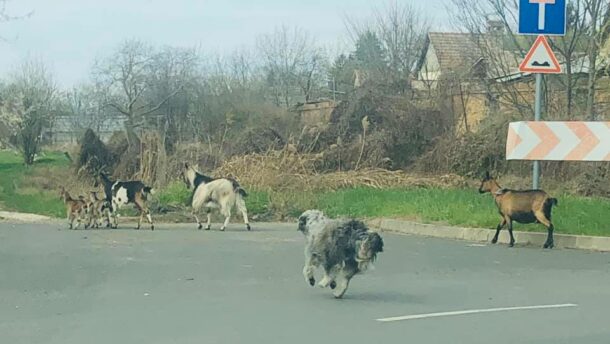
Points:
[(537, 110)]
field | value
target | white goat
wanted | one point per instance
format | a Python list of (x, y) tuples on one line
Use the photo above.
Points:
[(221, 193)]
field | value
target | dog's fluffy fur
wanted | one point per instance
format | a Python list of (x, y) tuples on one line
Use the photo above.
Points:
[(342, 247)]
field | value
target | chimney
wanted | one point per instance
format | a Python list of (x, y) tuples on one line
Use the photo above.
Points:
[(495, 25)]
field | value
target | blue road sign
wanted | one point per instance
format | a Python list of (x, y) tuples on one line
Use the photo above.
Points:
[(542, 17)]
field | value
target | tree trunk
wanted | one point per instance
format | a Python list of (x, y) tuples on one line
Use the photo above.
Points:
[(569, 87), (591, 82), (133, 141)]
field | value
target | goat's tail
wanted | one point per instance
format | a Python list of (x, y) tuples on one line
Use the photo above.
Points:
[(237, 188), (548, 206), (241, 191)]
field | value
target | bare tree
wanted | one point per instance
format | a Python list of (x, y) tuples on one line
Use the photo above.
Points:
[(500, 51), (568, 47), (597, 27), (86, 106), (5, 16), (402, 30), (291, 64), (31, 101), (173, 70), (127, 75)]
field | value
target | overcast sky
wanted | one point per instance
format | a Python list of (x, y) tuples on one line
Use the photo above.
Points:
[(68, 34)]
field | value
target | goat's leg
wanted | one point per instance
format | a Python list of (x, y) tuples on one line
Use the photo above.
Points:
[(194, 212), (510, 231), (550, 228), (108, 215), (498, 229), (241, 205), (199, 226), (550, 243), (87, 216), (227, 214), (209, 216), (148, 217), (144, 211), (115, 214), (78, 220), (141, 210), (69, 218)]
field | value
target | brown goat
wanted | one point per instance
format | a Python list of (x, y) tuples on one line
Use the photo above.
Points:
[(76, 209), (97, 207), (523, 206)]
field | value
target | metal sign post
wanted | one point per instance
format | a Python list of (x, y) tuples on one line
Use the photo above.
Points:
[(537, 111), (540, 59), (541, 17)]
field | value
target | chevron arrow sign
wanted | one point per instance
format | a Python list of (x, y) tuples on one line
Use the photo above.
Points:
[(576, 141)]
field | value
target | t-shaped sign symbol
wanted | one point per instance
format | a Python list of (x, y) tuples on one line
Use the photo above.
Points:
[(541, 14)]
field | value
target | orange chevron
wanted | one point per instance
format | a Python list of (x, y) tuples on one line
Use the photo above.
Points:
[(548, 140), (512, 141), (588, 141)]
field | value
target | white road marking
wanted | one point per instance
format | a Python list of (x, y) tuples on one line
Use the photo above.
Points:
[(473, 311)]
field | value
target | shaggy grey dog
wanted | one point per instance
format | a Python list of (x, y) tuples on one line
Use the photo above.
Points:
[(343, 248)]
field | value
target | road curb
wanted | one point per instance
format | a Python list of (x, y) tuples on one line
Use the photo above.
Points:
[(23, 217), (581, 242)]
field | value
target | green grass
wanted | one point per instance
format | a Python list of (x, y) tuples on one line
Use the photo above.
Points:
[(15, 192), (460, 207)]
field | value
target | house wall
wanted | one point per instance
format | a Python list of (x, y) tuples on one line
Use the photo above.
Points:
[(478, 104), (317, 114), (430, 70)]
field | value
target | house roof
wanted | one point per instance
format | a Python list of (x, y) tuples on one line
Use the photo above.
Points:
[(454, 50), (457, 51)]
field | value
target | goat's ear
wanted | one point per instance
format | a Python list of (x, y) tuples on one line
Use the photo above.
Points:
[(186, 165), (487, 176)]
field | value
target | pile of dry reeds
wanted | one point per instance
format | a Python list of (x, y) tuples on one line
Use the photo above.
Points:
[(281, 170)]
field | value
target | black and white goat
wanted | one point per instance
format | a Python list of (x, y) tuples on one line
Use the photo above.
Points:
[(120, 193), (210, 193)]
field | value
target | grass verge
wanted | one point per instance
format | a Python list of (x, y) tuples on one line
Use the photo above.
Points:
[(34, 190), (18, 192), (462, 207)]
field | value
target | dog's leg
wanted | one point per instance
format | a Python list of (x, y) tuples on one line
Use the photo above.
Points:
[(342, 284), (345, 275), (329, 276), (309, 268)]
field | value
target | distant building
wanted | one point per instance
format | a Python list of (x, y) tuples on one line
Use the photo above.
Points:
[(474, 75), (69, 129), (316, 113)]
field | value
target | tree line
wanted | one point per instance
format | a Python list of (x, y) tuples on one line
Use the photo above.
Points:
[(188, 94)]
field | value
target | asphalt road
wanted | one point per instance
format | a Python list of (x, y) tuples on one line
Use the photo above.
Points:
[(180, 285)]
